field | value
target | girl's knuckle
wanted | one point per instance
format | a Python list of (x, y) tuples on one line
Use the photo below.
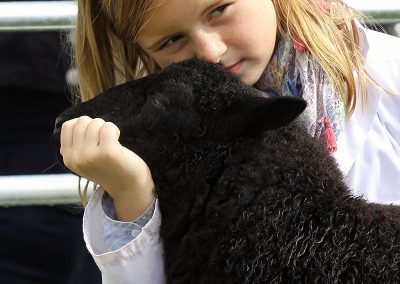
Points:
[(84, 117), (106, 127), (83, 120), (110, 124), (98, 120), (67, 125)]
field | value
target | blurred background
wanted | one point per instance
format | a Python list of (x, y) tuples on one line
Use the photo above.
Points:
[(40, 216)]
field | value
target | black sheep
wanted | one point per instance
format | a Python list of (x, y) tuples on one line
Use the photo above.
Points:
[(245, 195)]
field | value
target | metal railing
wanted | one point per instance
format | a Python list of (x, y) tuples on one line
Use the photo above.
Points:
[(61, 16), (49, 189), (384, 11), (38, 16)]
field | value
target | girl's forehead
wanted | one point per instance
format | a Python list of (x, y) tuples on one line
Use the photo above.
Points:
[(185, 6), (172, 14)]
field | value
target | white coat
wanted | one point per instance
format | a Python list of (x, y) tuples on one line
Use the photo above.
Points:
[(368, 155)]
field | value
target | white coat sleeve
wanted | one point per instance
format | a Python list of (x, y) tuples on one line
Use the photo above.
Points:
[(139, 261)]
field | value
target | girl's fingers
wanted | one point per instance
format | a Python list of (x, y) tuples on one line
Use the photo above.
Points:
[(86, 143), (109, 135), (92, 135), (66, 134), (79, 132)]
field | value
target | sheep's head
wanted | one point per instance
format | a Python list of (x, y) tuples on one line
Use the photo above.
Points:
[(192, 102)]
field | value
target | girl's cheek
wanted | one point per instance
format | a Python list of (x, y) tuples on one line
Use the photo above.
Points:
[(162, 61), (179, 52)]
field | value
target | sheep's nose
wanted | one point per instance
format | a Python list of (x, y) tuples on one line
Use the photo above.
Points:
[(57, 126), (57, 132), (58, 123), (56, 140)]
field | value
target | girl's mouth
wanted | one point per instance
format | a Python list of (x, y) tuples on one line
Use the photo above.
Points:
[(235, 68)]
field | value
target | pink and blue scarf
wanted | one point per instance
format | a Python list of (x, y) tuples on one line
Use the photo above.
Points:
[(293, 71)]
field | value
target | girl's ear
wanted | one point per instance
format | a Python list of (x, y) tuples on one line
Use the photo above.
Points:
[(254, 115)]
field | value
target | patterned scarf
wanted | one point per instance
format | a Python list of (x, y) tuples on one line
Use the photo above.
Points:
[(293, 71)]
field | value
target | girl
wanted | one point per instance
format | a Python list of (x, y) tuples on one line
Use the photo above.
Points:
[(349, 76)]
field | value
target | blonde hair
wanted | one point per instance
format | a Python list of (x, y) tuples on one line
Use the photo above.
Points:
[(328, 31), (106, 52)]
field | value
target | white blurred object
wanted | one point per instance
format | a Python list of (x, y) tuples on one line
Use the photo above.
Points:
[(397, 29), (61, 15), (72, 77), (38, 15)]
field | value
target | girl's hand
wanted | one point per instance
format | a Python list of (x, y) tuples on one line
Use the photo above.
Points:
[(91, 149)]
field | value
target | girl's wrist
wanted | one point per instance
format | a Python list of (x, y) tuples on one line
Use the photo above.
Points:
[(131, 204)]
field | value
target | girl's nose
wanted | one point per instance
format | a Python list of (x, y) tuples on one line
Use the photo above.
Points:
[(210, 47)]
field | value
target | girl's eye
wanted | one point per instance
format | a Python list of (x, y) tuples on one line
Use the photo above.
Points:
[(171, 41), (218, 11)]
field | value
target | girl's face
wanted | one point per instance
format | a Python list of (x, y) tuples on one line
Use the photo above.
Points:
[(238, 34)]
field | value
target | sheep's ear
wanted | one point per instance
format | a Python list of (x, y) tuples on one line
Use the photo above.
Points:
[(257, 114)]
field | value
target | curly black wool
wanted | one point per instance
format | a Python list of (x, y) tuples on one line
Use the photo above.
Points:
[(246, 195)]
